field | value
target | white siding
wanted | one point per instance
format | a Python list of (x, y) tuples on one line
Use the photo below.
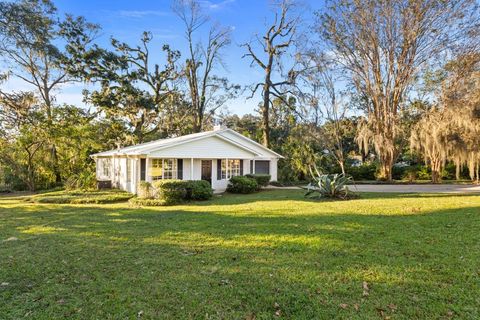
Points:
[(262, 153), (207, 148), (273, 169)]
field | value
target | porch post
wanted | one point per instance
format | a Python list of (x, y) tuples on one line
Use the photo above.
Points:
[(191, 169), (148, 178), (253, 164)]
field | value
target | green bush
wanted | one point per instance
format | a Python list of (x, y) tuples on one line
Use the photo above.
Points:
[(262, 179), (199, 190), (242, 184), (145, 190), (410, 174), (176, 191), (5, 189), (398, 172), (147, 202), (171, 191), (81, 197), (85, 180), (362, 172)]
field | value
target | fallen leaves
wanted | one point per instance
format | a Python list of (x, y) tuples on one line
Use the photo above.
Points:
[(365, 289), (278, 311), (251, 316), (392, 307)]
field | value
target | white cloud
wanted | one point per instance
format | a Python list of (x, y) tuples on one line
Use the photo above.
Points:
[(216, 6), (142, 13)]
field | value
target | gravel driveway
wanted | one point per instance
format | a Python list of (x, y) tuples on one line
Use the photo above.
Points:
[(410, 188)]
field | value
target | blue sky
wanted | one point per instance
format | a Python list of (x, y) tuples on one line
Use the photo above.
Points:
[(127, 19)]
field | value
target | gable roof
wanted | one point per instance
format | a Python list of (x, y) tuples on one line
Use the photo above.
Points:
[(227, 135)]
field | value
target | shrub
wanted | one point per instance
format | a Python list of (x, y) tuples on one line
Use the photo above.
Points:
[(242, 184), (171, 191), (147, 202), (330, 186), (145, 190), (176, 191), (398, 172), (363, 172), (262, 179), (5, 189), (81, 197), (410, 174), (199, 190), (85, 180)]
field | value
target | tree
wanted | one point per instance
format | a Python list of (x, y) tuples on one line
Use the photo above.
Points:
[(36, 45), (383, 46), (207, 92), (136, 90), (320, 91), (278, 38), (20, 137)]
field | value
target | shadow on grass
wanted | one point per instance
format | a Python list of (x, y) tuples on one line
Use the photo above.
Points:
[(230, 262)]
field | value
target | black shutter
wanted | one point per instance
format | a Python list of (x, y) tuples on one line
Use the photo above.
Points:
[(143, 169), (251, 166), (241, 167), (180, 169), (219, 169)]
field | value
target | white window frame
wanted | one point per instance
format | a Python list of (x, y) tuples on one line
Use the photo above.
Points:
[(169, 168), (230, 168), (129, 170), (104, 168)]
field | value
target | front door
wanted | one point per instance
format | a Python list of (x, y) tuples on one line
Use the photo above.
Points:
[(207, 170)]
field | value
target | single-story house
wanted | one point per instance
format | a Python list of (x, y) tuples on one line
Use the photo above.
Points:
[(214, 156)]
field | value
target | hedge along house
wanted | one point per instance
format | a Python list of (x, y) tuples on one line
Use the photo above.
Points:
[(215, 156)]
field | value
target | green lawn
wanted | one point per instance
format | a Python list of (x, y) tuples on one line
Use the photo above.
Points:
[(263, 256)]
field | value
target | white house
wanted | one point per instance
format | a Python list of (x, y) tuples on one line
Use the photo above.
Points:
[(214, 156)]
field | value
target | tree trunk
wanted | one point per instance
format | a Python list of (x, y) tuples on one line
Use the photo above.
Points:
[(386, 165), (266, 116), (436, 171), (342, 166), (457, 170), (56, 168)]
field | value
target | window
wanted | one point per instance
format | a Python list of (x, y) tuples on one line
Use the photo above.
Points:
[(163, 169), (129, 170), (262, 167), (104, 167), (233, 168), (169, 169), (156, 169)]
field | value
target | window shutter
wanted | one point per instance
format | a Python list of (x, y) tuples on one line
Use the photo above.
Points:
[(143, 169), (219, 169), (180, 169), (251, 166), (241, 167)]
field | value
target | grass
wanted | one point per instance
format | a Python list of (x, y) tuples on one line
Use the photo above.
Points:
[(270, 255)]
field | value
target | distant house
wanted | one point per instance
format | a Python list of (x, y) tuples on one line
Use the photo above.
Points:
[(214, 156)]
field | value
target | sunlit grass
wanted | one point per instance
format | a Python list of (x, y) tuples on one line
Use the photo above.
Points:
[(237, 256)]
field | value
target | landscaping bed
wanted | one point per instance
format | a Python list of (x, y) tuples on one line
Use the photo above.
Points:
[(81, 197)]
